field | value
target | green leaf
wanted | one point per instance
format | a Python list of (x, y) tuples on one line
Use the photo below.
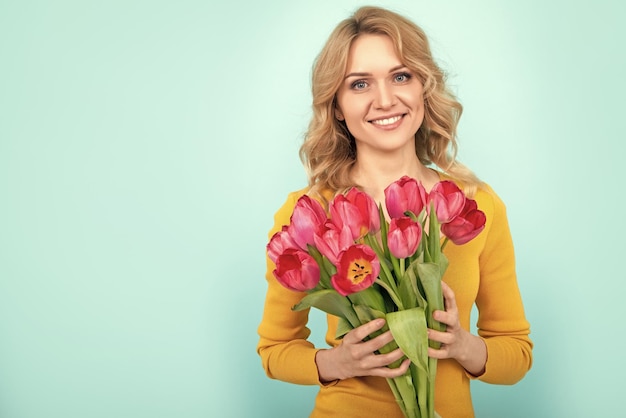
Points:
[(411, 275), (433, 235), (430, 275), (369, 297), (327, 269), (384, 229), (331, 302), (408, 290), (343, 327), (407, 389), (367, 314), (409, 331)]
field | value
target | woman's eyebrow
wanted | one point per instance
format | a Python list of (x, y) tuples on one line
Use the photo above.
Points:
[(357, 75), (396, 68)]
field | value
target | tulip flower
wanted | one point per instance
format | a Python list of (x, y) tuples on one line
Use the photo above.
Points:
[(280, 242), (307, 217), (448, 200), (358, 211), (403, 195), (403, 237), (467, 225), (357, 269), (297, 270), (331, 240)]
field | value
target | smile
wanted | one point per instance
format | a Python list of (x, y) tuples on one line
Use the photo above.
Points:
[(387, 121)]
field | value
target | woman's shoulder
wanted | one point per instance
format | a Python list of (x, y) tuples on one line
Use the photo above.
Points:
[(322, 196), (488, 200), (293, 196)]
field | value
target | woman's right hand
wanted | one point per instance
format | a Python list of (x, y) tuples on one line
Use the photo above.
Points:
[(355, 357)]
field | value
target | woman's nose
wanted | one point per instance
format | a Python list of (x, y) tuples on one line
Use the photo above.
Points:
[(384, 97)]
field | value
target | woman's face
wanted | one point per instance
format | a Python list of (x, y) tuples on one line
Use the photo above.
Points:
[(380, 99)]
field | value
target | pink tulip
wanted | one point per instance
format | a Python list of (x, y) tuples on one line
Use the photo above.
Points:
[(297, 270), (280, 242), (448, 200), (404, 237), (357, 210), (467, 225), (357, 270), (307, 217), (405, 194), (331, 240)]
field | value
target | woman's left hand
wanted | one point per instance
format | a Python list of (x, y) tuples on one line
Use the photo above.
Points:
[(457, 343)]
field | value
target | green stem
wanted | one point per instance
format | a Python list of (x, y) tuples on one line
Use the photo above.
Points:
[(445, 241), (396, 394), (373, 242), (389, 280), (392, 293), (432, 372), (407, 389)]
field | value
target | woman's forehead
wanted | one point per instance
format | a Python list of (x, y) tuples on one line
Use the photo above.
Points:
[(372, 53)]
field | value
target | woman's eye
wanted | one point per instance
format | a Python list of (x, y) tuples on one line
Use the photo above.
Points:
[(402, 77), (359, 85)]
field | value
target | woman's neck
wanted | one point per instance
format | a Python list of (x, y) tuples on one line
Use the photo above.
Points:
[(373, 175)]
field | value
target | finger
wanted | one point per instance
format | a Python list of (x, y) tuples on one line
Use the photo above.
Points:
[(384, 360), (448, 297), (378, 342), (359, 333), (439, 354), (389, 373), (447, 318), (376, 361), (441, 337)]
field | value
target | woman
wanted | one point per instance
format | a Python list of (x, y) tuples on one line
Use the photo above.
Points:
[(381, 111)]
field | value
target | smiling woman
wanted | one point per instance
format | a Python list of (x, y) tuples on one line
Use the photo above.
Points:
[(381, 112), (381, 101)]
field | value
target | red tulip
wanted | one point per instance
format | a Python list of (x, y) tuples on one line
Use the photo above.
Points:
[(467, 225), (297, 270), (331, 240), (358, 268), (357, 210), (405, 194), (404, 236), (280, 242), (448, 200), (307, 217)]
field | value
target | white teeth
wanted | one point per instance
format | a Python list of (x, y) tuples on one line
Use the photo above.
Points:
[(387, 121)]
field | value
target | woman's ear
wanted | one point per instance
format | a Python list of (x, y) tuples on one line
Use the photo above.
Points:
[(338, 114)]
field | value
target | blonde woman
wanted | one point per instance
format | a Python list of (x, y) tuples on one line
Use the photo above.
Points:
[(381, 110)]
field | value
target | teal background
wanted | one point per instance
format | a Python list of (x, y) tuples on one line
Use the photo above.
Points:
[(145, 145)]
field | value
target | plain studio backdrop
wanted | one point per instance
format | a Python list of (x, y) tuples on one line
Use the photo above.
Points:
[(145, 146)]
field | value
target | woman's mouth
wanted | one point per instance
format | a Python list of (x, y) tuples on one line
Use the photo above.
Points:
[(387, 123)]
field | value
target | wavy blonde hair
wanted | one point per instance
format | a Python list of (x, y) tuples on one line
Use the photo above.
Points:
[(329, 150)]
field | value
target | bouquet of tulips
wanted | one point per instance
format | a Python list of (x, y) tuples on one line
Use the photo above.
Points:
[(358, 266)]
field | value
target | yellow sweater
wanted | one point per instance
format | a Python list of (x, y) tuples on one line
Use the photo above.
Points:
[(481, 271)]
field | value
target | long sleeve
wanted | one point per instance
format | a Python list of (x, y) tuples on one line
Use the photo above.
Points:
[(285, 353), (501, 320)]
